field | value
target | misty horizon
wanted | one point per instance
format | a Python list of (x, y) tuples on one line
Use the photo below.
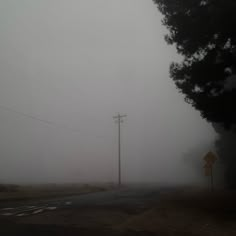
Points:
[(68, 67)]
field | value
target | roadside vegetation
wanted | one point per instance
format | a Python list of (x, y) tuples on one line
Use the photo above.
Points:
[(10, 192)]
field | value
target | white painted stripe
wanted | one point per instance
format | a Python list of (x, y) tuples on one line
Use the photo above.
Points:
[(22, 214), (7, 214), (51, 208), (7, 209), (38, 211)]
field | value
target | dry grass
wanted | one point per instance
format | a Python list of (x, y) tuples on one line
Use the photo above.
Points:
[(27, 192), (190, 213)]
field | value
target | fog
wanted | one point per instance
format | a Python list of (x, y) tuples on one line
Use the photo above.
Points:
[(67, 67)]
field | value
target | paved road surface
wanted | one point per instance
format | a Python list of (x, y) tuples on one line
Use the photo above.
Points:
[(89, 214)]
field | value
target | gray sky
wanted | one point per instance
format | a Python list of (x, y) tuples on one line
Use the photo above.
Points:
[(75, 64)]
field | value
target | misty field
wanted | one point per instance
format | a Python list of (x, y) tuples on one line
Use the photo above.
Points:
[(10, 192)]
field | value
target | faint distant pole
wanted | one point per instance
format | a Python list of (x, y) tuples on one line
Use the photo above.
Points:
[(119, 119), (212, 183)]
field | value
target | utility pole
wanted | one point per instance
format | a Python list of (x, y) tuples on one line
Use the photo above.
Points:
[(119, 119), (212, 183)]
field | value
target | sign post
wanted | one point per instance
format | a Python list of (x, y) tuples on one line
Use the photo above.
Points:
[(210, 158)]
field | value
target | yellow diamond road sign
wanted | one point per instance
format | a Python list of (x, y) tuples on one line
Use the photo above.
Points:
[(210, 158)]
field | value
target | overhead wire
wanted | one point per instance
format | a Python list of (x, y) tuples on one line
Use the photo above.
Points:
[(52, 123), (48, 122)]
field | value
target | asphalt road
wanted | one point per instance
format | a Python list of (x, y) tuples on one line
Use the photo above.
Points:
[(88, 214)]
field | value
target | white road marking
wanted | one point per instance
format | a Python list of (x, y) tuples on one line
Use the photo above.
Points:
[(22, 214), (38, 211), (28, 210), (51, 208), (7, 209), (23, 210), (68, 203), (7, 214)]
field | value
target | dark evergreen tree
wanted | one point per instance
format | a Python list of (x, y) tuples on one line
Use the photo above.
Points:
[(204, 33)]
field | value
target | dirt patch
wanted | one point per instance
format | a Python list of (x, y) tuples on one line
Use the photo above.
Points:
[(194, 213), (50, 230), (85, 218)]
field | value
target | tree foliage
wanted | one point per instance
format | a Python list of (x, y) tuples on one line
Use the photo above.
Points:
[(225, 147), (204, 33)]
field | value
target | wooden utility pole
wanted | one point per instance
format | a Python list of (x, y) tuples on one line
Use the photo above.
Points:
[(119, 119)]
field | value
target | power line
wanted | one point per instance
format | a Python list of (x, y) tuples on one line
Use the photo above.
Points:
[(48, 122), (52, 123)]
